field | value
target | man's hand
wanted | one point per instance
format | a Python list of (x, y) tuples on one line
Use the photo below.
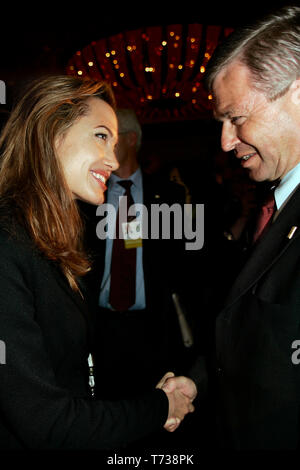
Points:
[(180, 391), (183, 384)]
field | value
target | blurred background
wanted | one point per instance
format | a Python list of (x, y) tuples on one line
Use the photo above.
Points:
[(153, 53)]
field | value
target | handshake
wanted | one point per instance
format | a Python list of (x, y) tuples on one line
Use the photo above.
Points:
[(181, 393)]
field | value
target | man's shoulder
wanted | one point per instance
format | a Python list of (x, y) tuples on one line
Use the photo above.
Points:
[(290, 212)]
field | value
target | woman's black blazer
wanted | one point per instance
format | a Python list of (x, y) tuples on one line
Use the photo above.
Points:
[(45, 331)]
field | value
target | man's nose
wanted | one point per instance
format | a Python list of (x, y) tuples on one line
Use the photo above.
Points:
[(229, 137)]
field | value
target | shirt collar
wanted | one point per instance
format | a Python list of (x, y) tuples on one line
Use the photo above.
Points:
[(287, 186), (136, 179)]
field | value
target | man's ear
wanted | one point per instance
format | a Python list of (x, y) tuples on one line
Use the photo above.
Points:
[(132, 138), (295, 91)]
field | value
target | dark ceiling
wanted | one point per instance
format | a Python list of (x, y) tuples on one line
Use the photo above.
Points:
[(42, 37), (39, 39)]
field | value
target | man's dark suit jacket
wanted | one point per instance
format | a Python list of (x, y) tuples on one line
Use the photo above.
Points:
[(258, 386), (44, 394)]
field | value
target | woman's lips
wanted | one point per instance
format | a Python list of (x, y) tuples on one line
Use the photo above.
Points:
[(101, 178)]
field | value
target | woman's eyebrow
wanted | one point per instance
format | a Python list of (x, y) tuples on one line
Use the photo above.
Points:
[(105, 127)]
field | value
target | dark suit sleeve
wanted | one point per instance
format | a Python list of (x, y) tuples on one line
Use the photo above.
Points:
[(35, 409)]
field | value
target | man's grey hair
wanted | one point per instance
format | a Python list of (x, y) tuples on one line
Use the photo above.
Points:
[(127, 122), (270, 48)]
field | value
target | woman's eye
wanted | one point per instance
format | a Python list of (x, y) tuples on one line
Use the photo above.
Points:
[(101, 136)]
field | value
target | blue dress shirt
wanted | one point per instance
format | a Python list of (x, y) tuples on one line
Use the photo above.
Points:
[(286, 187), (115, 191)]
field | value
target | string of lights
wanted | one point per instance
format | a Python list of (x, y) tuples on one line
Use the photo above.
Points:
[(158, 70)]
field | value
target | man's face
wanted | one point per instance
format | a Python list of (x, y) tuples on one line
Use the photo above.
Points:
[(263, 134)]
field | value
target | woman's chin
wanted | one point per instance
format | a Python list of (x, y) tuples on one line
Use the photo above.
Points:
[(94, 199)]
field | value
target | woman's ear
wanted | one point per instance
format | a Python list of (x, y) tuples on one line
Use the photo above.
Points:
[(58, 141)]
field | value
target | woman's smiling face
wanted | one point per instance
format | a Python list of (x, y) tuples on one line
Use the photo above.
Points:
[(87, 151)]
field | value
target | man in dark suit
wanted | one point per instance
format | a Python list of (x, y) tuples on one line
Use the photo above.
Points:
[(254, 79), (134, 343)]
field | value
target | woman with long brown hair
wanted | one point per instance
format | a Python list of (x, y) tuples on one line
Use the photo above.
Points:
[(57, 147)]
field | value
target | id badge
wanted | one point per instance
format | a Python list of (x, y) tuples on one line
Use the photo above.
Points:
[(132, 234)]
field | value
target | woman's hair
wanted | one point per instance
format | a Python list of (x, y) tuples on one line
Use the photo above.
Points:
[(270, 48), (31, 177)]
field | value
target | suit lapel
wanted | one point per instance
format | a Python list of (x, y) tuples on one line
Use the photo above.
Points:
[(94, 246), (269, 249), (80, 303), (62, 281)]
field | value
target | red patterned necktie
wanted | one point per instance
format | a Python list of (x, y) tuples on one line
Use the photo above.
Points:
[(123, 263), (265, 216)]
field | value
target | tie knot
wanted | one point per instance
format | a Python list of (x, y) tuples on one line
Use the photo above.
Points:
[(265, 215), (269, 201), (125, 184)]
